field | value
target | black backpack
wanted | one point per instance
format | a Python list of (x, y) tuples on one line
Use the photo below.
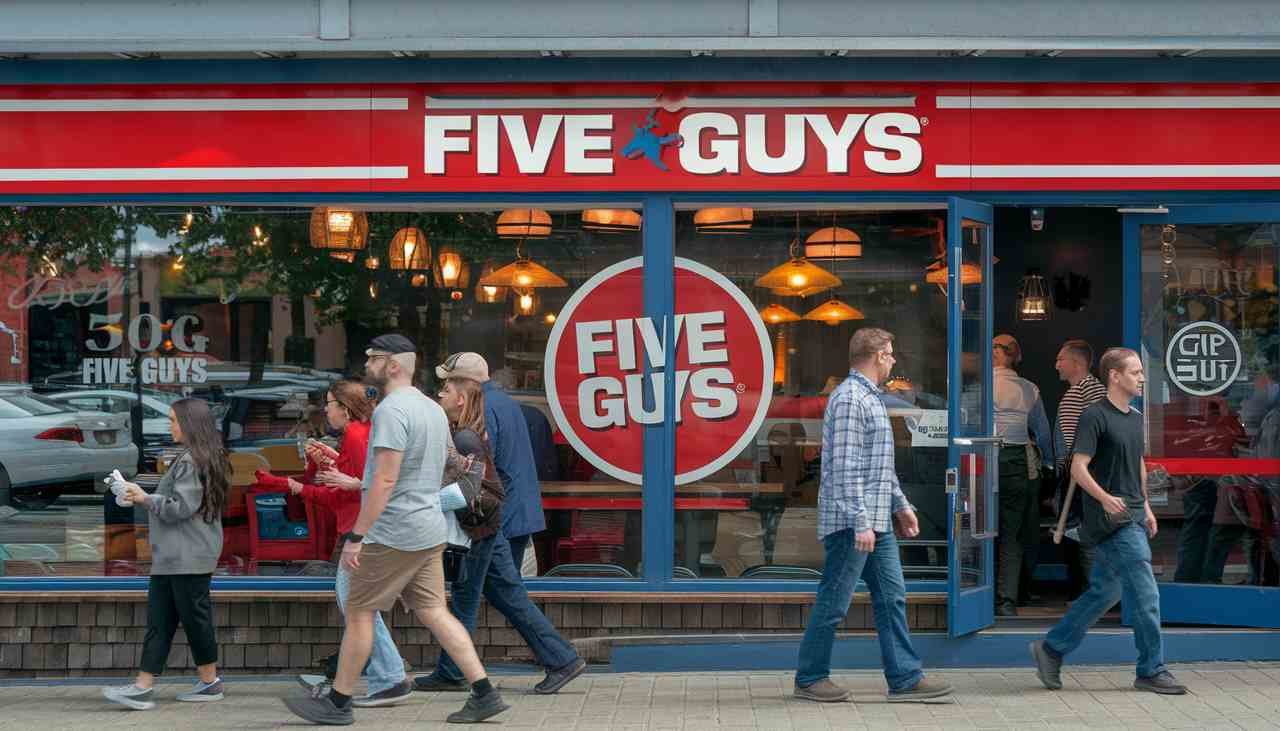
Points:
[(480, 485)]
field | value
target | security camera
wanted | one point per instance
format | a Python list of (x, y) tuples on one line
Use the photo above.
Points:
[(1037, 219)]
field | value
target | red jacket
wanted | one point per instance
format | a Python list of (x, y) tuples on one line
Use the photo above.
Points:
[(345, 504)]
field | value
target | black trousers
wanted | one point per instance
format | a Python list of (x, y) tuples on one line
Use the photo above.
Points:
[(173, 599)]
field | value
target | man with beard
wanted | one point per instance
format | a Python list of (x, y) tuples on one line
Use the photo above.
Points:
[(396, 547)]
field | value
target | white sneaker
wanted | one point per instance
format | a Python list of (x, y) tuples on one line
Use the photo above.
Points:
[(131, 696), (203, 692)]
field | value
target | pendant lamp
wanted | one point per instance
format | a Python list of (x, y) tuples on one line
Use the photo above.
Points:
[(1033, 298), (833, 312), (451, 270), (409, 251), (524, 223), (523, 273), (777, 314), (798, 277), (833, 242), (487, 293), (339, 230), (526, 302), (723, 220), (611, 220)]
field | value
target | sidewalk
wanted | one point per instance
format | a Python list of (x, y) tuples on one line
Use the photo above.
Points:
[(1223, 695)]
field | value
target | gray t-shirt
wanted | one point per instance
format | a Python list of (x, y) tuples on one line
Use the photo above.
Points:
[(409, 422)]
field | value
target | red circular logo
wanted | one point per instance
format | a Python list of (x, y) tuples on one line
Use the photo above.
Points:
[(606, 371)]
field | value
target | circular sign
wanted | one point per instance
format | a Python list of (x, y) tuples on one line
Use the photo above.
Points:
[(607, 371), (1203, 358)]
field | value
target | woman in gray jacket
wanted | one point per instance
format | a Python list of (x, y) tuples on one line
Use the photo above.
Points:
[(185, 524)]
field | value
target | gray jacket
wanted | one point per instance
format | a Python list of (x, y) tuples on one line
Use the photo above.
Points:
[(181, 541)]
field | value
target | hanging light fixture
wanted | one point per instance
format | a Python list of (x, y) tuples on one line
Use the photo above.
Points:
[(1033, 297), (549, 318), (524, 223), (798, 277), (833, 312), (451, 270), (418, 280), (833, 242), (611, 220), (723, 220), (409, 250), (339, 230), (487, 293), (372, 262), (777, 314), (936, 273), (260, 238), (187, 220), (526, 302), (373, 290), (523, 273)]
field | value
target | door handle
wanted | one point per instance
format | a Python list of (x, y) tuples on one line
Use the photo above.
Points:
[(971, 441)]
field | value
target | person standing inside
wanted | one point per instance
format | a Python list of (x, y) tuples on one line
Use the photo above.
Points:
[(1020, 421), (1108, 465), (491, 567), (184, 517), (859, 501), (395, 548), (1074, 363)]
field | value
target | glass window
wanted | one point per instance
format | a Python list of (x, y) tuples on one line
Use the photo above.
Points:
[(753, 514), (1211, 344), (259, 310)]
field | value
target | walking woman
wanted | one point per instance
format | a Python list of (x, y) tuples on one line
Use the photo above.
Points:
[(349, 408), (185, 527)]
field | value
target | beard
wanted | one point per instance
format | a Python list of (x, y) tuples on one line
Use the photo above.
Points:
[(377, 380)]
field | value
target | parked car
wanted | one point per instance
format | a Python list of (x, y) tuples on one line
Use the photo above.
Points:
[(48, 448), (155, 406)]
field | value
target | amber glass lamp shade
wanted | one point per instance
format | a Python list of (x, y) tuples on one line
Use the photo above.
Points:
[(833, 242), (723, 220), (611, 220), (524, 223), (798, 278), (523, 274), (777, 314), (833, 312), (409, 251), (451, 270)]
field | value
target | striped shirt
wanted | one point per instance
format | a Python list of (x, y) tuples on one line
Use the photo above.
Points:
[(859, 487), (1085, 393)]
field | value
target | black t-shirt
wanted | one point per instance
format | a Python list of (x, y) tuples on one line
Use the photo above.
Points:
[(1114, 440)]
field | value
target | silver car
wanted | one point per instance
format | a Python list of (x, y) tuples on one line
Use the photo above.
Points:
[(47, 448)]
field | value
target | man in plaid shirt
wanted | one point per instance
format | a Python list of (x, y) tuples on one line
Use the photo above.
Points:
[(858, 504)]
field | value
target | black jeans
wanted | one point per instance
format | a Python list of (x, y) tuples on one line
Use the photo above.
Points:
[(173, 599)]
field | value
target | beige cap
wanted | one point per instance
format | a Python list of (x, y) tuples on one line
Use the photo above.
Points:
[(1010, 344), (464, 365)]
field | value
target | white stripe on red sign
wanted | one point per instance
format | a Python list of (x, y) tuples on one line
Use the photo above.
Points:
[(353, 172), (1108, 102), (336, 104), (631, 102), (1107, 171)]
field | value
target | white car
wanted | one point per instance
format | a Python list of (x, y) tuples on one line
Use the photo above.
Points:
[(48, 447), (155, 406)]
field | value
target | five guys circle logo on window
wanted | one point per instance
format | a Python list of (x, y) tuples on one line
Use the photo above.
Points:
[(606, 371), (1203, 358)]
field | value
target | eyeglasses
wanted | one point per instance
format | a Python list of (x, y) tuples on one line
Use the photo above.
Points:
[(375, 356)]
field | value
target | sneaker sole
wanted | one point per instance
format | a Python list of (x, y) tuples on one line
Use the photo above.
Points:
[(288, 702), (1035, 660), (913, 697), (379, 703), (805, 695), (452, 718), (132, 704), (202, 698), (459, 688), (549, 690)]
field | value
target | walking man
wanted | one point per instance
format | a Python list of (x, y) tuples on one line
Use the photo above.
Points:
[(492, 566), (1020, 420), (1074, 363), (859, 501), (396, 546), (1109, 466)]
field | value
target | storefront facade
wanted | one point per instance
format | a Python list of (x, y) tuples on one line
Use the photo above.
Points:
[(680, 492)]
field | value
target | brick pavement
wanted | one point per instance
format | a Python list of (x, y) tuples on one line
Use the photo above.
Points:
[(1223, 696)]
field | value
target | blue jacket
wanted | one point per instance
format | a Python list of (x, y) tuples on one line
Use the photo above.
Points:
[(513, 456)]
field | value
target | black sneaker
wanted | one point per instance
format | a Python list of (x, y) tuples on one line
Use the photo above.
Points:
[(1048, 666), (1162, 682), (478, 709), (557, 679), (388, 697), (434, 682), (317, 708)]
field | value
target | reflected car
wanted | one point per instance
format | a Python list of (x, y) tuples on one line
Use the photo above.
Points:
[(155, 406), (49, 448)]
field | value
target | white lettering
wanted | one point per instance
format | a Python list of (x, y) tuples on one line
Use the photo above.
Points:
[(577, 143), (699, 337), (718, 401), (724, 152), (588, 346), (487, 144), (908, 148), (532, 158), (837, 144), (757, 145), (437, 141), (604, 412)]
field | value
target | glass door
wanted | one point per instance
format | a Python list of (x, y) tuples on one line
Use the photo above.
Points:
[(973, 450)]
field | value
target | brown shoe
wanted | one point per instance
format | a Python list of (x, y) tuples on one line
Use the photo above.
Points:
[(923, 690), (823, 691)]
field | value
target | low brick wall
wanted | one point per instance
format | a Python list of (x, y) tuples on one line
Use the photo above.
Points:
[(48, 634)]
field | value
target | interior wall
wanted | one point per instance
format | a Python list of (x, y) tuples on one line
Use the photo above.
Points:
[(1084, 241)]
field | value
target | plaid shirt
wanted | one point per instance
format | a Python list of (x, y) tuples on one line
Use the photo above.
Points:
[(859, 483)]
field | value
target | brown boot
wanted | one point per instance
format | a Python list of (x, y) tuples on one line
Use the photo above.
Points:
[(823, 691), (923, 690)]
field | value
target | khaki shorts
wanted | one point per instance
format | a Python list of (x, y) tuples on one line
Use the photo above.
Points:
[(387, 573)]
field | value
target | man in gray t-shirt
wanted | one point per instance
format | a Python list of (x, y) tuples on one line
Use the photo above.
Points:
[(410, 423)]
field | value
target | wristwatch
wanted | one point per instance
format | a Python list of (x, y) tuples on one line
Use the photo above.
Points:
[(353, 537)]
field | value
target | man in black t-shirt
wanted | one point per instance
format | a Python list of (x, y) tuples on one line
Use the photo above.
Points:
[(1118, 523)]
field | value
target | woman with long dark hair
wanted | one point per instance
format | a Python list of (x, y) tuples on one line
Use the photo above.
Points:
[(185, 528)]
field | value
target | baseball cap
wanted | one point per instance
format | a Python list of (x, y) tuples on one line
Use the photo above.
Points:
[(1010, 344), (390, 343), (464, 365)]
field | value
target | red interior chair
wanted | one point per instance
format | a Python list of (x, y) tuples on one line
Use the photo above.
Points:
[(279, 549)]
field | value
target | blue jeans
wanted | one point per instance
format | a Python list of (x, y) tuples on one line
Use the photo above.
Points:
[(490, 570), (386, 667), (883, 575), (1121, 569)]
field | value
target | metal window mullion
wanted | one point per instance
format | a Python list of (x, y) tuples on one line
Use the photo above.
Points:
[(658, 474)]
